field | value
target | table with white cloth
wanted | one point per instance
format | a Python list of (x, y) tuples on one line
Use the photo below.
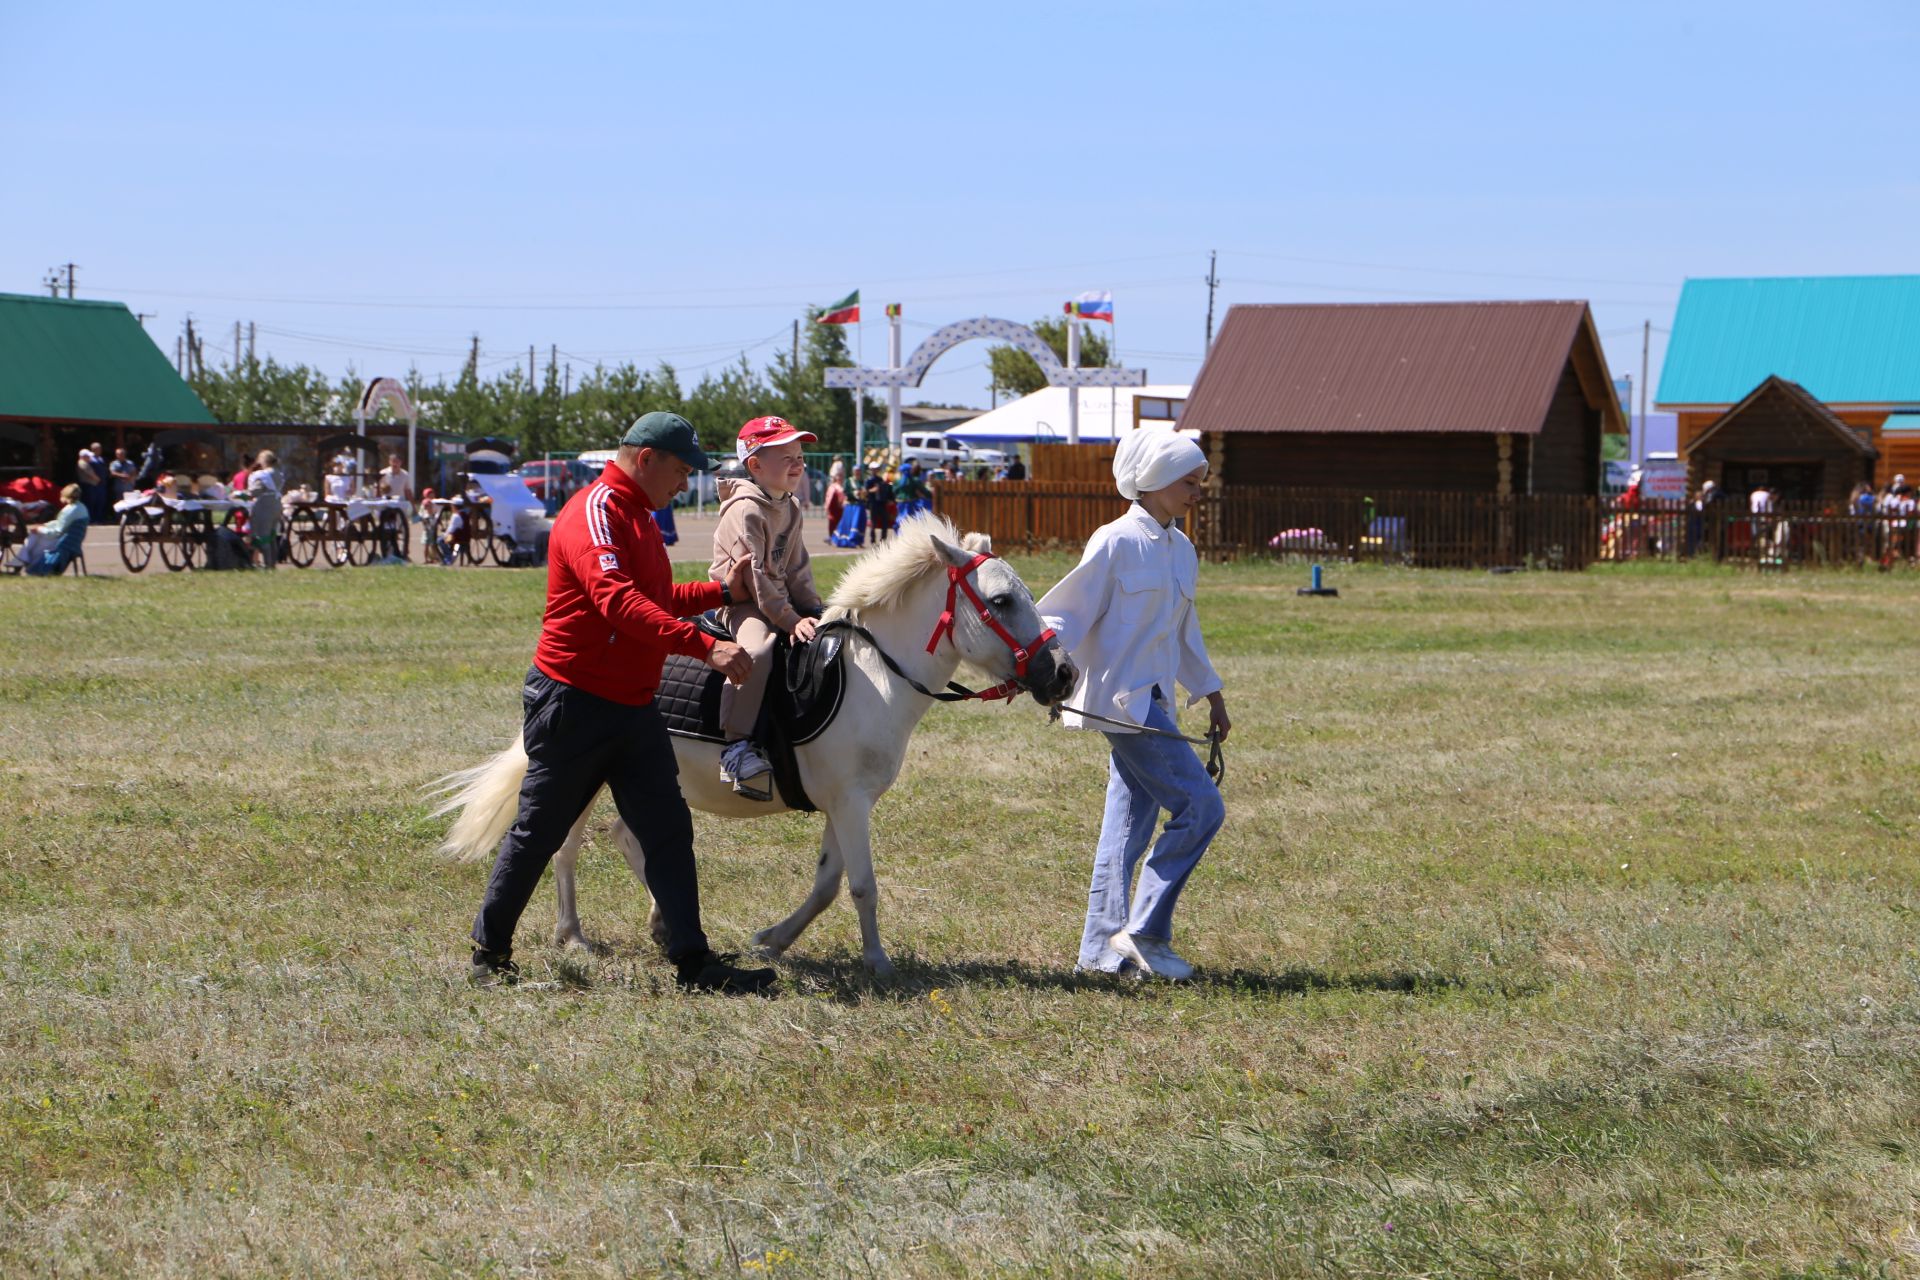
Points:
[(343, 531), (182, 530)]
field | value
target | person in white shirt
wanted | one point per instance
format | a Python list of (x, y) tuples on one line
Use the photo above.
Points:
[(1126, 615), (339, 484), (399, 482)]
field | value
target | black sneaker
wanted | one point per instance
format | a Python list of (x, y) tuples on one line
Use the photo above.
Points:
[(492, 969), (711, 971)]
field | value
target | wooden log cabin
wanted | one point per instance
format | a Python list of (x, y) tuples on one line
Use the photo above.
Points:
[(1500, 398), (1781, 438), (1846, 342)]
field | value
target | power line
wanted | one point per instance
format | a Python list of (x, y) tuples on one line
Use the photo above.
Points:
[(1450, 271)]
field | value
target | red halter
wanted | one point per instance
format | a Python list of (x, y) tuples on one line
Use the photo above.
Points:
[(961, 579)]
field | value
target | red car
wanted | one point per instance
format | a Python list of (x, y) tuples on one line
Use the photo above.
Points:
[(562, 475)]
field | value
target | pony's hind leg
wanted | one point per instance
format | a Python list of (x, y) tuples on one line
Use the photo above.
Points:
[(566, 929), (775, 940), (637, 859)]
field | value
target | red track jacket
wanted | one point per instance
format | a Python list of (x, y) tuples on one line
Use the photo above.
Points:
[(613, 611)]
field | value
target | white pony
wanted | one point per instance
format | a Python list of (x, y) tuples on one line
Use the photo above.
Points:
[(902, 594)]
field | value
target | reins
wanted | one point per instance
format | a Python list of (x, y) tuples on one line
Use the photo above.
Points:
[(1216, 752), (954, 693)]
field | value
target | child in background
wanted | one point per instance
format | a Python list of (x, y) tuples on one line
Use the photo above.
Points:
[(760, 520)]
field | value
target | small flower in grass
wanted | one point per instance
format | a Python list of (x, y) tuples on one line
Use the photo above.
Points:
[(938, 999)]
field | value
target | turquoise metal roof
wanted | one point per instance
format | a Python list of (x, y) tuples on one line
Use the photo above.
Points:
[(1846, 339), (1902, 422)]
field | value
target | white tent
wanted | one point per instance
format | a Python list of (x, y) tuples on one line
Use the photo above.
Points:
[(1106, 413)]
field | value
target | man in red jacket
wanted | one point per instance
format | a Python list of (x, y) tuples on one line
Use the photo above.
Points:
[(613, 614)]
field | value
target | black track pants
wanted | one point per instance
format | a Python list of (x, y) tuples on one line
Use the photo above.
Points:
[(575, 742)]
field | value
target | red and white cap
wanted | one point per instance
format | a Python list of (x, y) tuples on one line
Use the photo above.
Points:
[(761, 432)]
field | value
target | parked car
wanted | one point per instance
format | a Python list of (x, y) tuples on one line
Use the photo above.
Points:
[(556, 477)]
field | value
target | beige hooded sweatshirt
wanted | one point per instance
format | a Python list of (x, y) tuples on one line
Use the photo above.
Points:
[(754, 523)]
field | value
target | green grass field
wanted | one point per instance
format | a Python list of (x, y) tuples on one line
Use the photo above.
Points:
[(1562, 925)]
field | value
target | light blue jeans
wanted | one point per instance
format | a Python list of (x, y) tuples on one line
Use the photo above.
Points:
[(1148, 773)]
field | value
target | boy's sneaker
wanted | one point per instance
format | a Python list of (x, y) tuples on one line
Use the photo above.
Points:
[(492, 969), (711, 971), (1152, 955), (743, 765)]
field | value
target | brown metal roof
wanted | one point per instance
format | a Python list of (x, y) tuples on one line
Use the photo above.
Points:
[(1427, 366)]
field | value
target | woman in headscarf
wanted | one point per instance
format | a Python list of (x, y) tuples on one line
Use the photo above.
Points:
[(263, 488), (1126, 614)]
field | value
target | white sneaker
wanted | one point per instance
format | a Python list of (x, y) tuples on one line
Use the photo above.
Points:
[(1152, 955), (742, 764)]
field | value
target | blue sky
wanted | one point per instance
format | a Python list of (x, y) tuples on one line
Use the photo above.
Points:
[(647, 182)]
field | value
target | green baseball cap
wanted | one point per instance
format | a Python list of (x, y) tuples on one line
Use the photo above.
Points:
[(671, 433)]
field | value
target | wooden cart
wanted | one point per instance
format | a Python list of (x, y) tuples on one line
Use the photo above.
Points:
[(181, 530)]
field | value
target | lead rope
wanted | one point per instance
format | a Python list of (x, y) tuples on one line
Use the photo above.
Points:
[(1216, 751)]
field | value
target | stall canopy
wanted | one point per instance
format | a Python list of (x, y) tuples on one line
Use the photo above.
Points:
[(1106, 413)]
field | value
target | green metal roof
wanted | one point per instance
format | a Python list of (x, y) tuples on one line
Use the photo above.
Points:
[(1846, 339), (62, 358)]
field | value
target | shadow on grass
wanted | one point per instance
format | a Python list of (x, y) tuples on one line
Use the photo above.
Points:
[(846, 979)]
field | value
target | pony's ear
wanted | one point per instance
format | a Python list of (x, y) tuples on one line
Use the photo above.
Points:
[(953, 555), (978, 543)]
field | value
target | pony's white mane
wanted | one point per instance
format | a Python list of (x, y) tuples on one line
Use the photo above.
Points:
[(880, 578)]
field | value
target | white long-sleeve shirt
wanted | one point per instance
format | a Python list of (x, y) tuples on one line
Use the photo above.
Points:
[(1126, 615)]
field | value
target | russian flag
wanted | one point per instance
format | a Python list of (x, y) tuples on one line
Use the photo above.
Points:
[(1096, 304)]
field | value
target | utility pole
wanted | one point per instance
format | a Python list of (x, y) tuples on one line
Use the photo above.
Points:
[(236, 347), (69, 281), (1646, 340), (52, 282), (531, 383), (144, 316), (553, 362), (795, 369), (1213, 282), (473, 360), (189, 346), (249, 344), (179, 355)]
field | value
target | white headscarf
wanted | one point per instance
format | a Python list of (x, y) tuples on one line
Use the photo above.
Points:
[(1151, 458)]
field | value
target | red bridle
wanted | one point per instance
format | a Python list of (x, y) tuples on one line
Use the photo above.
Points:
[(961, 579)]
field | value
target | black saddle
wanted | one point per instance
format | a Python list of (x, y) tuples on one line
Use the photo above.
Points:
[(804, 692)]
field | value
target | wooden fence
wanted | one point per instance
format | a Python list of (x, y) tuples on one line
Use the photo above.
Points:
[(1444, 530)]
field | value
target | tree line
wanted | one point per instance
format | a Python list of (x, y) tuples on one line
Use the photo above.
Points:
[(593, 409)]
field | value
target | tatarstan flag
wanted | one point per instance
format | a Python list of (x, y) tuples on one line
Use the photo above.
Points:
[(845, 311)]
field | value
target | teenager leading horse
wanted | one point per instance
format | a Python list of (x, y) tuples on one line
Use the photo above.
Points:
[(914, 609)]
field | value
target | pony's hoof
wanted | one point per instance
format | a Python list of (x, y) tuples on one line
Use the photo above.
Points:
[(767, 945), (580, 942), (879, 966)]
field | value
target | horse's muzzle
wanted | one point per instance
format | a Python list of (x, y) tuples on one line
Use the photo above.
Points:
[(1051, 676)]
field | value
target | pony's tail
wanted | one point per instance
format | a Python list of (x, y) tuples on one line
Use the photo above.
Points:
[(487, 796)]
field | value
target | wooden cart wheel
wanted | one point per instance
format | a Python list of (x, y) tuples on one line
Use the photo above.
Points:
[(479, 535), (13, 528), (501, 548), (171, 533), (393, 533), (334, 543), (304, 534), (360, 536), (136, 539)]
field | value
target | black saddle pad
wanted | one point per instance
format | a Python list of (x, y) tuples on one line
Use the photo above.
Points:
[(804, 692)]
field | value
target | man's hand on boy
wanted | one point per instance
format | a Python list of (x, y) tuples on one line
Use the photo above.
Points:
[(740, 581), (803, 630), (730, 660)]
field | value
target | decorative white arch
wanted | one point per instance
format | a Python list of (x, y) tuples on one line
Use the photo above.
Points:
[(389, 391), (946, 338)]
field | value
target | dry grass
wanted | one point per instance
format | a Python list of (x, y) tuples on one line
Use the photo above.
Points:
[(1562, 925)]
